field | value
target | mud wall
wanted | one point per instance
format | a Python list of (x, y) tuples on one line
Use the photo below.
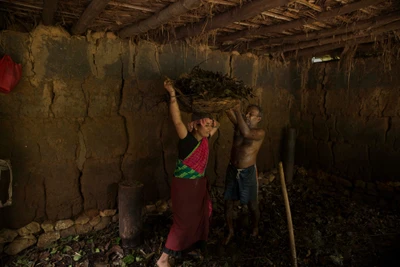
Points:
[(91, 111), (349, 122)]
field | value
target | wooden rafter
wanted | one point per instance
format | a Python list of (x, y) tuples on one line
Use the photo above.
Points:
[(278, 28), (49, 10), (130, 6), (341, 38), (309, 5), (318, 50), (165, 15), (91, 12), (356, 26), (235, 14)]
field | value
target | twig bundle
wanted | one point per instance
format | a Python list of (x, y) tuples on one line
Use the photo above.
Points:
[(210, 92)]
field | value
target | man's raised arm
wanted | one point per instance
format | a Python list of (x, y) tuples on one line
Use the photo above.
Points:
[(253, 134)]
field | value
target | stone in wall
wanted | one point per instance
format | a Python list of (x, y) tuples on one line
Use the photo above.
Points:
[(82, 219), (47, 226), (95, 220), (7, 235), (63, 224), (29, 229), (102, 224), (83, 228), (91, 213), (19, 244), (46, 239), (109, 213), (70, 231)]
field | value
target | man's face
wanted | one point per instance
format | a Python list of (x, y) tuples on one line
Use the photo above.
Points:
[(252, 116)]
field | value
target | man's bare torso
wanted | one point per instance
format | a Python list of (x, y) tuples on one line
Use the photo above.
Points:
[(244, 151)]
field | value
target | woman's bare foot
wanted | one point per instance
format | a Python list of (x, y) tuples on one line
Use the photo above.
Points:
[(228, 238), (163, 260)]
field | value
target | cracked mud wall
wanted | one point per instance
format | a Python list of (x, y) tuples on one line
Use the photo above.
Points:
[(349, 124), (91, 111)]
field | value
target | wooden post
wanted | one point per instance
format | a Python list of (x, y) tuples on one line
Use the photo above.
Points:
[(49, 9), (290, 153), (288, 216), (130, 204)]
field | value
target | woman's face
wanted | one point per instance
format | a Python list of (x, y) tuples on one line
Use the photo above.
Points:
[(204, 127)]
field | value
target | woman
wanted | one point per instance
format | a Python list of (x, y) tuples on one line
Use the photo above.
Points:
[(190, 200)]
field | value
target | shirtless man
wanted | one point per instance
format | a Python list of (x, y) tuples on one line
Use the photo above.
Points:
[(241, 176)]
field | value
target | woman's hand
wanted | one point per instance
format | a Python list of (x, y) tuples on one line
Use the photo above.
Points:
[(168, 85)]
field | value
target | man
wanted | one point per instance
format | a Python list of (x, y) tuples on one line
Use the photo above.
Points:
[(241, 176)]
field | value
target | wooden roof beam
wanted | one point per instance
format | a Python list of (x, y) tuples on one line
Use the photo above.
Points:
[(318, 50), (172, 11), (49, 10), (356, 26), (341, 38), (279, 28), (91, 12), (235, 14)]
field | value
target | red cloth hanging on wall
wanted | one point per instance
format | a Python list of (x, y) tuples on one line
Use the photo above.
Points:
[(10, 74)]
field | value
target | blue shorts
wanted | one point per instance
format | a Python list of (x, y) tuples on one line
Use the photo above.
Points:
[(241, 184)]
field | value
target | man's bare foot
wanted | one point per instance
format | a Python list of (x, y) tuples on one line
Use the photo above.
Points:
[(255, 232), (228, 238), (163, 261)]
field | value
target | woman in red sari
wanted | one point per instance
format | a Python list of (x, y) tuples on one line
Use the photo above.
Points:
[(190, 200)]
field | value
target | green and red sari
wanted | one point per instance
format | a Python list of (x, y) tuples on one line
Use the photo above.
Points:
[(190, 199)]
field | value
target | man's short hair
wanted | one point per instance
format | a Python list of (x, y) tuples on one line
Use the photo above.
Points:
[(260, 111)]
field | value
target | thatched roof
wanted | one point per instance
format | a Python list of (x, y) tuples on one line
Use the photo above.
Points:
[(269, 27)]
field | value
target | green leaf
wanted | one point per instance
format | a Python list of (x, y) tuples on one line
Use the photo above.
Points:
[(53, 251), (77, 256), (66, 249), (129, 259), (117, 240), (97, 250)]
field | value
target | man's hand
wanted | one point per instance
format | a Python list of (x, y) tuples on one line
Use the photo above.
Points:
[(168, 84), (237, 107)]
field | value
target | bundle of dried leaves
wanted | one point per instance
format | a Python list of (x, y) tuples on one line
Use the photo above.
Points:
[(207, 91)]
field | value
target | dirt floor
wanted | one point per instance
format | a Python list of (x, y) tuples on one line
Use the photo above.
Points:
[(330, 230)]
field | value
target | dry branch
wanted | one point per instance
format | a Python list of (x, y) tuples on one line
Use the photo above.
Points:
[(49, 10), (279, 28), (162, 17), (356, 26), (236, 14), (91, 12)]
